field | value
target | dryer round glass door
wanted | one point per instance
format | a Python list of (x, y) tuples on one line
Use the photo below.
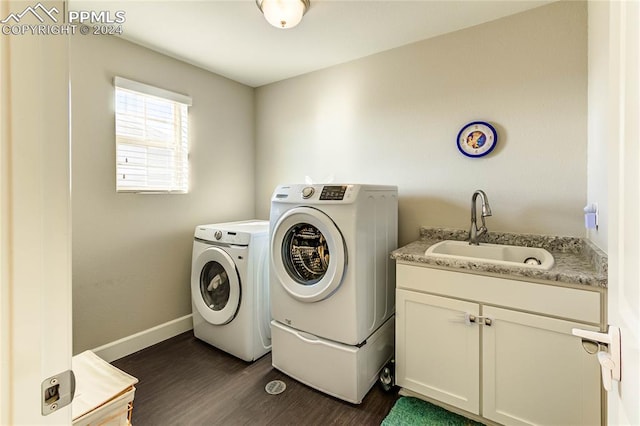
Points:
[(308, 252), (215, 286)]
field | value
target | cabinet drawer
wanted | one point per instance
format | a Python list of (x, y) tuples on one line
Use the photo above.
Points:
[(547, 299)]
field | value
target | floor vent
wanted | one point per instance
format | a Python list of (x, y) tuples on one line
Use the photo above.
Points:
[(275, 387)]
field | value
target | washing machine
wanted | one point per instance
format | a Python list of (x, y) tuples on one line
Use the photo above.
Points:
[(230, 287), (333, 284)]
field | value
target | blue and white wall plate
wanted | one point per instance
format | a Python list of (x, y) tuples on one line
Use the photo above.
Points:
[(477, 139)]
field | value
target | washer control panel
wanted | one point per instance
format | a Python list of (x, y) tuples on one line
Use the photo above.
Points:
[(313, 193), (222, 236), (333, 192)]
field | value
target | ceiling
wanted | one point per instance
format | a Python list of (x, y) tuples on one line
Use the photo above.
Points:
[(231, 37)]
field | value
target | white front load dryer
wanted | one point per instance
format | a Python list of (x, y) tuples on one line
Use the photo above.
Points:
[(230, 287), (333, 284)]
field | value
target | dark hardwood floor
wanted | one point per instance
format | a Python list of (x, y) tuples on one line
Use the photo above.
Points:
[(184, 381)]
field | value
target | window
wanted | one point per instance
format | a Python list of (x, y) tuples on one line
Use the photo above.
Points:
[(151, 138)]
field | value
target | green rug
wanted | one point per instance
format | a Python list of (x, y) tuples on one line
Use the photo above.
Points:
[(409, 411)]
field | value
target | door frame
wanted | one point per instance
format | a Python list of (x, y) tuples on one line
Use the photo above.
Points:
[(624, 201), (35, 220)]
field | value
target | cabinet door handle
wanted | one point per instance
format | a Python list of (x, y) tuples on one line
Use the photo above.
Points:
[(470, 318), (477, 319)]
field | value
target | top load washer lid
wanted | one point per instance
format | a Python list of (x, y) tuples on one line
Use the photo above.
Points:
[(238, 233)]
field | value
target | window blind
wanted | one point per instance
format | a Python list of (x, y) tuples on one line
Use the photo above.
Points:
[(152, 145)]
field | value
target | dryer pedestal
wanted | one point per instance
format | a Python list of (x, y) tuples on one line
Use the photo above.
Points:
[(344, 371)]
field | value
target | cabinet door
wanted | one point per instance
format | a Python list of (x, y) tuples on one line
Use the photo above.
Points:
[(536, 372), (437, 351)]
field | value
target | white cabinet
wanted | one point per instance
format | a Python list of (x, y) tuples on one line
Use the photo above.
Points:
[(436, 350), (536, 372), (498, 348)]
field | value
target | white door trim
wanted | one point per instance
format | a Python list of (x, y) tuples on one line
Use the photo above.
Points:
[(35, 188), (624, 200)]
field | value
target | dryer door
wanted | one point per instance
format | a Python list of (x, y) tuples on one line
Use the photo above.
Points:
[(215, 286), (308, 253)]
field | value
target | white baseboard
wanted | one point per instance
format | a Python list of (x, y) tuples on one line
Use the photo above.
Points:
[(130, 344)]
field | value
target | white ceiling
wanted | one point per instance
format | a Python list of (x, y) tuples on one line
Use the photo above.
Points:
[(231, 38)]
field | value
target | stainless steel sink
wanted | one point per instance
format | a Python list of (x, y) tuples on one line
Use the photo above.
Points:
[(526, 257)]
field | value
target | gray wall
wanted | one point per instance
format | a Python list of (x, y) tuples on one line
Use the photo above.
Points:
[(131, 252), (389, 118), (393, 118)]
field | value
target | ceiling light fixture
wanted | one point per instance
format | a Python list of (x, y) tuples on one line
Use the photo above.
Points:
[(283, 13)]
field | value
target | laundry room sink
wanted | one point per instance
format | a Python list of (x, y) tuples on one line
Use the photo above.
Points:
[(499, 254)]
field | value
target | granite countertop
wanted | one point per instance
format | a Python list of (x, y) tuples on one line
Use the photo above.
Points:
[(577, 260)]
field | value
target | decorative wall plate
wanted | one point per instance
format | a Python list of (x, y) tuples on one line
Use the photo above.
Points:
[(477, 139)]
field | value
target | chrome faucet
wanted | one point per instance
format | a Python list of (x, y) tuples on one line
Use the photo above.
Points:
[(474, 232)]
